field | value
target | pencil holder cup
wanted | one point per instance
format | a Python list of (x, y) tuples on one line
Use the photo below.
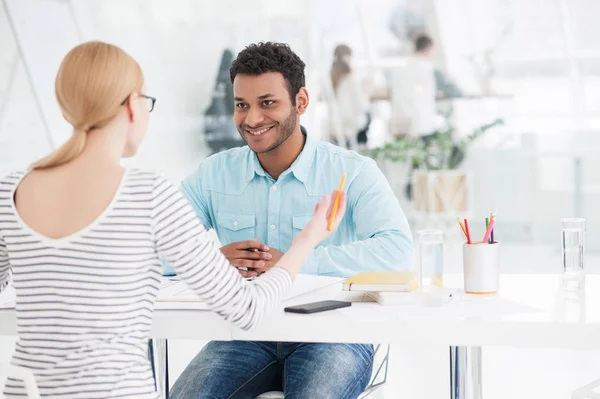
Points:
[(481, 263)]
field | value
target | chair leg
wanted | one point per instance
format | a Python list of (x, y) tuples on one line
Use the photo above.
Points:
[(374, 387), (375, 392), (159, 353), (585, 392)]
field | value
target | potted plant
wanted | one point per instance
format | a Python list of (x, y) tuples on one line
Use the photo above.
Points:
[(437, 185)]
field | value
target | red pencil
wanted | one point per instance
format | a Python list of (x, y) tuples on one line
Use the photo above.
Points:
[(468, 233)]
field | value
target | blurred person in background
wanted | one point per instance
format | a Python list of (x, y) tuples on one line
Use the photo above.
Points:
[(351, 101), (414, 88), (424, 50)]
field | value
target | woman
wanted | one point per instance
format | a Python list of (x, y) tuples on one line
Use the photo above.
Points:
[(352, 103), (83, 238)]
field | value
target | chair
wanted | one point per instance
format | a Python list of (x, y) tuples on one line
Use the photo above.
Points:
[(20, 373), (375, 384)]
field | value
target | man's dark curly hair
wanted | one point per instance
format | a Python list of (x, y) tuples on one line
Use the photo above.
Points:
[(260, 58)]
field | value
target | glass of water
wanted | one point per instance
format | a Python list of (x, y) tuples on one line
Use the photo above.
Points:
[(430, 258), (573, 240)]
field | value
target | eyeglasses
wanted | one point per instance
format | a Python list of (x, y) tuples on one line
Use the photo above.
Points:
[(150, 101)]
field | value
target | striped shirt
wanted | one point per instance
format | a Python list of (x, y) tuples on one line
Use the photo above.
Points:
[(84, 303)]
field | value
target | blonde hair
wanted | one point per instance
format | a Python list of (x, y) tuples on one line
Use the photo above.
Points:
[(92, 82)]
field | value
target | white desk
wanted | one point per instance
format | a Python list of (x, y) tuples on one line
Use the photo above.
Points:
[(563, 321)]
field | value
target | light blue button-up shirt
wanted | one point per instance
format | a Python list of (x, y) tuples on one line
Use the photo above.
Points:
[(233, 194)]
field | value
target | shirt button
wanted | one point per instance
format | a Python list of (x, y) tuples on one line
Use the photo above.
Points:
[(273, 227), (274, 188), (235, 224)]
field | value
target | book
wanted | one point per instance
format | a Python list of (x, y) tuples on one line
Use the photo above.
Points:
[(381, 282)]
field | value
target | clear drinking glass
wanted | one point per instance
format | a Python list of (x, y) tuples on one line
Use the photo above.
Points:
[(573, 241), (430, 258)]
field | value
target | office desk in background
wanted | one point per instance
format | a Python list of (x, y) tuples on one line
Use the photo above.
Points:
[(531, 311)]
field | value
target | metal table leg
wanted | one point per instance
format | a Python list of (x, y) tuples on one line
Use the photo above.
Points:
[(465, 372), (159, 356)]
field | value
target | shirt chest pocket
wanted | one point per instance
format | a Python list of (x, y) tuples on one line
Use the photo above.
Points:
[(236, 227), (299, 222)]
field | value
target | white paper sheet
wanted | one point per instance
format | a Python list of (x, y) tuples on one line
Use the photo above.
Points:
[(8, 297), (462, 306), (304, 283), (176, 294)]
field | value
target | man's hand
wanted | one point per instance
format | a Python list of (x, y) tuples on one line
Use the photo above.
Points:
[(275, 256), (251, 254)]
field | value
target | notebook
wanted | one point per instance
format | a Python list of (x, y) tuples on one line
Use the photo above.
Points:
[(381, 282)]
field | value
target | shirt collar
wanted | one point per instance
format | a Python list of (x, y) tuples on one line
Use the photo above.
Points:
[(253, 166), (300, 168), (302, 165)]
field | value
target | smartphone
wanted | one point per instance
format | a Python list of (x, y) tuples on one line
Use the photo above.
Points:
[(315, 307)]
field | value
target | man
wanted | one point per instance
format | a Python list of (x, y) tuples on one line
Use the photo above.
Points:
[(444, 87), (414, 88), (267, 191)]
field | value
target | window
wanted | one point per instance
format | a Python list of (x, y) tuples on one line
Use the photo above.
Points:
[(545, 53)]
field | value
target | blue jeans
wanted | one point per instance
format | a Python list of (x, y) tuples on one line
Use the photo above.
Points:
[(244, 370)]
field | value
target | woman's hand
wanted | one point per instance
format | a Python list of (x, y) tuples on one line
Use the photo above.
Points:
[(316, 230)]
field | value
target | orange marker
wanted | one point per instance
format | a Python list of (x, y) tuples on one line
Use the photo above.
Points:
[(462, 227), (336, 204)]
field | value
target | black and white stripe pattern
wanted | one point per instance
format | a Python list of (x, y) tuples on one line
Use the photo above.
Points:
[(85, 302)]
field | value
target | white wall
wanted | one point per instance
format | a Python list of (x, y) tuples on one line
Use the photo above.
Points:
[(22, 133)]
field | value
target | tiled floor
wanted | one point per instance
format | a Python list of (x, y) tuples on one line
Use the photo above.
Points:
[(508, 373)]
